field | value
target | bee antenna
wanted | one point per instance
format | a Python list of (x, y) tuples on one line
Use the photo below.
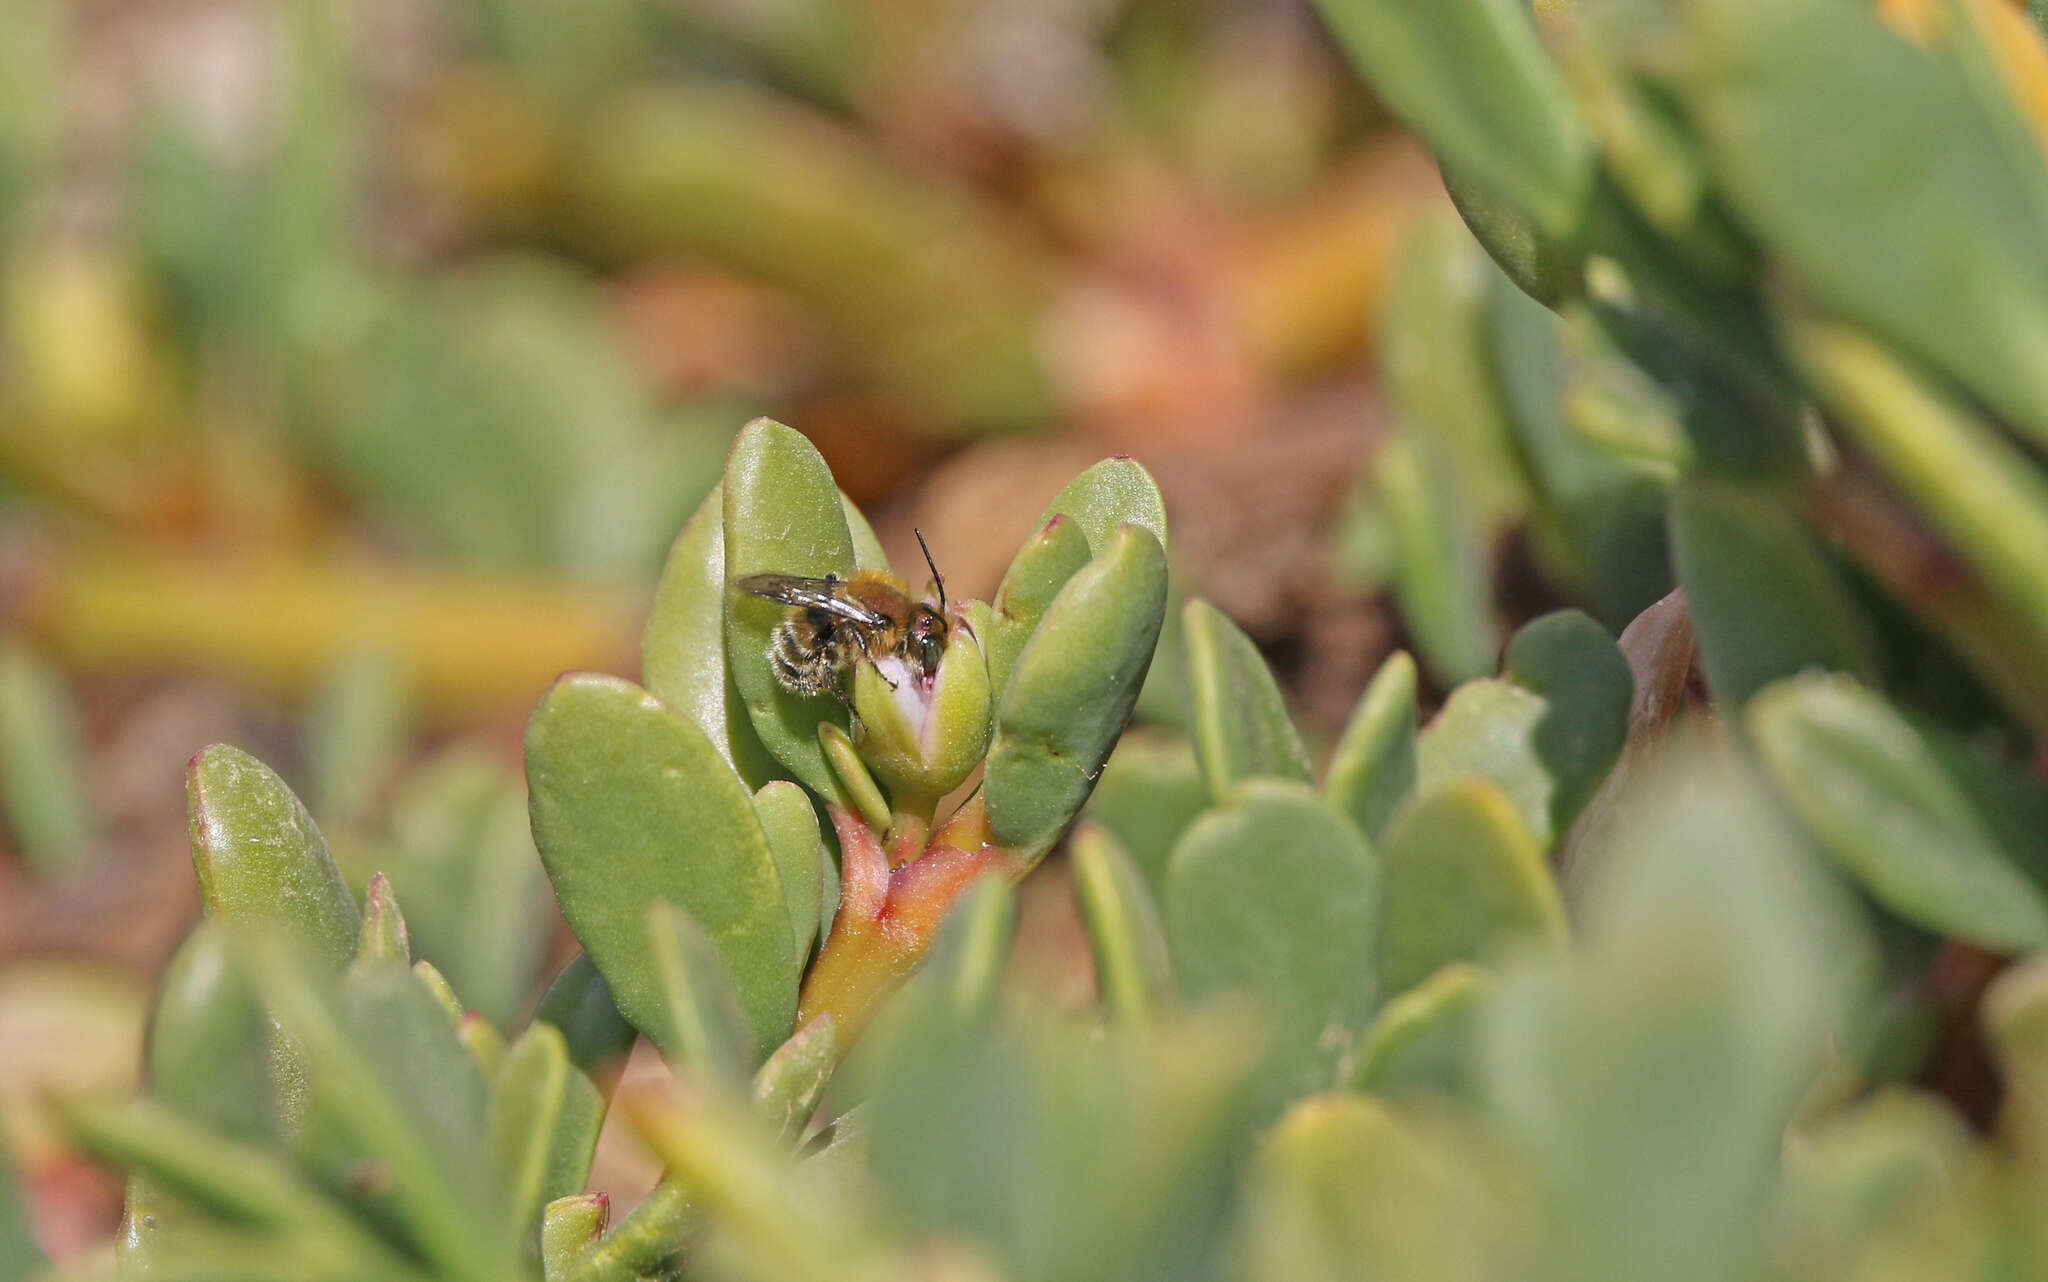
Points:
[(937, 578)]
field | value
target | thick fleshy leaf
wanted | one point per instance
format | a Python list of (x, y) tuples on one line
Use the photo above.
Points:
[(1897, 200), (782, 516), (632, 805), (1546, 731), (1442, 575), (790, 823), (1116, 491), (1241, 727), (701, 1024), (867, 549), (1436, 353), (569, 1226), (1472, 78), (1129, 944), (357, 733), (542, 1126), (1040, 569), (1462, 880), (207, 1040), (1418, 1040), (1275, 894), (384, 936), (596, 1036), (788, 1086), (461, 859), (1072, 691), (1151, 789), (1878, 800), (1372, 772), (20, 1256), (261, 861), (1765, 603), (682, 653)]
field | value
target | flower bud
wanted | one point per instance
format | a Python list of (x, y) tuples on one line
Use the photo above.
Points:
[(924, 736)]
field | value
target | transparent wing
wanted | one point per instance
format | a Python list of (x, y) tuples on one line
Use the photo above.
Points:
[(828, 595)]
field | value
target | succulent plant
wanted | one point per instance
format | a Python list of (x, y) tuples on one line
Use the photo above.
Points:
[(1602, 970)]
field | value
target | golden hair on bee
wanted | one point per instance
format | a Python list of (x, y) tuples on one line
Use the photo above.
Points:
[(834, 624)]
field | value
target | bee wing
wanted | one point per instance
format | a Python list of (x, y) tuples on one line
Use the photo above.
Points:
[(810, 594)]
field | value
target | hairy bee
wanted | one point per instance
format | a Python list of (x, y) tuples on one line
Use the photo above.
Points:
[(835, 623)]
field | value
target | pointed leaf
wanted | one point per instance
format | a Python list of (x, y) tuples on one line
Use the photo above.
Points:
[(1879, 802), (1463, 880), (1372, 772), (1123, 926), (384, 935), (1442, 577), (1241, 727), (42, 779), (261, 861), (790, 823), (632, 805), (782, 516), (1072, 691)]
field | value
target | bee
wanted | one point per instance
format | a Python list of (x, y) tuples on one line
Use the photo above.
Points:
[(836, 623)]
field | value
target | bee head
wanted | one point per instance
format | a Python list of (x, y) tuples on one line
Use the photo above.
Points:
[(926, 642)]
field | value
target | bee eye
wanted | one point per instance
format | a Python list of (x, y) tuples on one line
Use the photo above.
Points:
[(930, 652)]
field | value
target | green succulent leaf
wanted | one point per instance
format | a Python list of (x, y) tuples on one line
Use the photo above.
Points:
[(1542, 266), (790, 1082), (1373, 771), (1419, 1039), (1241, 727), (1117, 491), (782, 516), (260, 859), (857, 785), (579, 1003), (1123, 927), (1472, 78), (1275, 894), (1040, 569), (1765, 603), (867, 549), (1072, 691), (1151, 789), (569, 1226), (208, 1034), (682, 654), (1463, 880), (632, 805), (1442, 577), (542, 1125), (1874, 169), (790, 822), (1879, 802), (1547, 730), (20, 1256), (701, 1023), (384, 935)]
